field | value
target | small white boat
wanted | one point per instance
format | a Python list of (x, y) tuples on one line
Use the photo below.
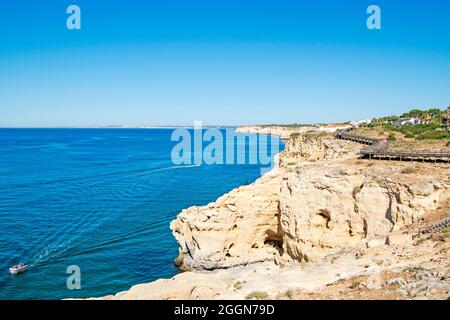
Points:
[(21, 267)]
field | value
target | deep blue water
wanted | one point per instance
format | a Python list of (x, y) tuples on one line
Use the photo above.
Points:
[(101, 199)]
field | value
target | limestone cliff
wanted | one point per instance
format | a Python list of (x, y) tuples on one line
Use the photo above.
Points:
[(284, 132), (318, 200), (316, 146), (325, 207), (348, 218), (239, 228)]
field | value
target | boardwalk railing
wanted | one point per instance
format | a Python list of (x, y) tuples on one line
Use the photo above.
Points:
[(384, 153), (344, 134), (440, 225), (379, 150)]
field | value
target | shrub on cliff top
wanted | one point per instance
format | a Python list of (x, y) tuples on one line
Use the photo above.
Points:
[(238, 285), (355, 284), (258, 295), (446, 232), (391, 137), (290, 294), (408, 170)]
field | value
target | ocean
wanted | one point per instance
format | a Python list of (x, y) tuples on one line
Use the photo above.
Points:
[(99, 199)]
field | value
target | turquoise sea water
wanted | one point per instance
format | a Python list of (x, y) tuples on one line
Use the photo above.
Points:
[(101, 199)]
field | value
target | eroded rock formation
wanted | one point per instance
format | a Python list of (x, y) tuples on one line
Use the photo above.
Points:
[(318, 200), (284, 132), (239, 228), (347, 218), (327, 207)]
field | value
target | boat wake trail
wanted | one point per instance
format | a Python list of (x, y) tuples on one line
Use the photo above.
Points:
[(67, 240), (53, 254), (47, 254)]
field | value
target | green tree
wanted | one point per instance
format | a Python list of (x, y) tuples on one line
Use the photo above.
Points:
[(415, 113), (435, 112)]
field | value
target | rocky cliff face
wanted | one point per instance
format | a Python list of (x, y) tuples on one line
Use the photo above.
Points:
[(284, 132), (316, 146), (328, 207), (349, 219), (318, 200), (239, 228)]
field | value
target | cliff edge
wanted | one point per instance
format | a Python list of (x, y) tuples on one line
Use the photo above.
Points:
[(320, 205), (318, 200)]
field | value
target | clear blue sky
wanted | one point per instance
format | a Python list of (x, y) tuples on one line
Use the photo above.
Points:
[(220, 61)]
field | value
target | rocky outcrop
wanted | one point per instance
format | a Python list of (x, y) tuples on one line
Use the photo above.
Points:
[(320, 204), (316, 146), (328, 207), (239, 228), (317, 201), (284, 132), (371, 273)]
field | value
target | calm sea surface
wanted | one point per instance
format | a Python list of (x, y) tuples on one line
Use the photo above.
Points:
[(101, 199)]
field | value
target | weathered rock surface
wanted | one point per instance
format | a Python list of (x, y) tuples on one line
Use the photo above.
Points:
[(329, 206), (239, 228), (320, 205), (317, 146), (317, 201), (389, 272), (284, 132)]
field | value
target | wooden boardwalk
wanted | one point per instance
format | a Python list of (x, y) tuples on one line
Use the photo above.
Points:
[(439, 225), (377, 150), (442, 224), (356, 138), (385, 154)]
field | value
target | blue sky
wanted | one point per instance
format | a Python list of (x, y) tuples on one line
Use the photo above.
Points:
[(223, 62)]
